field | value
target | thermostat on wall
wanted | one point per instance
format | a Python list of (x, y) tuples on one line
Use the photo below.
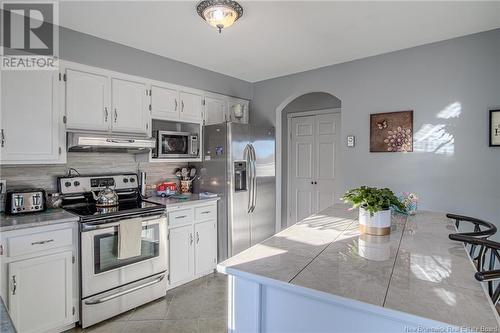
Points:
[(351, 140)]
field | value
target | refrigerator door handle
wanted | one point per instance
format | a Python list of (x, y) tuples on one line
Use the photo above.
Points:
[(248, 158), (254, 178)]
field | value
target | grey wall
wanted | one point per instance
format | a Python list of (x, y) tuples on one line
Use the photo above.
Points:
[(93, 51), (450, 85), (307, 102)]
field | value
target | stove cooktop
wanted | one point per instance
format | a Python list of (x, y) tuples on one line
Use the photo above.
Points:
[(89, 211)]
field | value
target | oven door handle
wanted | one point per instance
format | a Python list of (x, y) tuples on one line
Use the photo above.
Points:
[(125, 292)]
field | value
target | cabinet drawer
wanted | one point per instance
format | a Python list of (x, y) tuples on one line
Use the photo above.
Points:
[(205, 213), (39, 242), (180, 217)]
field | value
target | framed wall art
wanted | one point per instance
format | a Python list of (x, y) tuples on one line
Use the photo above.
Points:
[(494, 128), (391, 132)]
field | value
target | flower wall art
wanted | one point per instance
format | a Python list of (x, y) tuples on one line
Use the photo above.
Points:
[(391, 132)]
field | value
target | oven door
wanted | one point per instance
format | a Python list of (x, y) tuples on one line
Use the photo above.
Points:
[(101, 268), (173, 144)]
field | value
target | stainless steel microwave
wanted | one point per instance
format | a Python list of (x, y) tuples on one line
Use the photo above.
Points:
[(177, 144)]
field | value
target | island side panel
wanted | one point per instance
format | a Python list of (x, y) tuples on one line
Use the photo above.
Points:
[(243, 305)]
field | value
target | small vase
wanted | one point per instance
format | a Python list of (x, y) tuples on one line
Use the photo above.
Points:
[(379, 224)]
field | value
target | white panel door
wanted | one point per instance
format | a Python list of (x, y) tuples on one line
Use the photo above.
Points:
[(191, 106), (302, 166), (31, 122), (215, 111), (313, 158), (87, 101), (41, 292), (164, 103), (206, 246), (181, 244), (129, 106), (325, 135)]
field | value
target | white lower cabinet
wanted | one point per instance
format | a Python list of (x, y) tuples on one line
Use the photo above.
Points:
[(192, 242), (181, 254), (39, 277), (205, 251), (41, 292)]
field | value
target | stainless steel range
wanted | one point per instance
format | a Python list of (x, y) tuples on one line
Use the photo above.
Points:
[(112, 279)]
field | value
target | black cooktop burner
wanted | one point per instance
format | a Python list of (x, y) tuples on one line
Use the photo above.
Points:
[(89, 211)]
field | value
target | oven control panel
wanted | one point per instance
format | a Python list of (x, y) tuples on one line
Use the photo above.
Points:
[(84, 184)]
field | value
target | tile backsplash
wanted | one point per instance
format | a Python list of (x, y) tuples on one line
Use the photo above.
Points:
[(44, 176)]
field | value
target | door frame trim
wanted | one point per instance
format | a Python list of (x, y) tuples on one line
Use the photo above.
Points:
[(289, 117)]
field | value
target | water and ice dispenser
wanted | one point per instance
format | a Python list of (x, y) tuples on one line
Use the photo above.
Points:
[(240, 176)]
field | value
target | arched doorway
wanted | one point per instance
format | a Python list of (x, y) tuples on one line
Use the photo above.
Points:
[(306, 107)]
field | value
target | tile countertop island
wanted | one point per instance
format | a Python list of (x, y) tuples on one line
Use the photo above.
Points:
[(321, 275)]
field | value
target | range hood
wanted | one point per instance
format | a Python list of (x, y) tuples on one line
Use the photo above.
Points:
[(83, 142)]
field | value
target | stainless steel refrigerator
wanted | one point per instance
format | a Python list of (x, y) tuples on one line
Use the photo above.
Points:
[(239, 165)]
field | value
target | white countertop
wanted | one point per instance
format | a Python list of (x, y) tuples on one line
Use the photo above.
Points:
[(48, 217), (169, 201), (416, 269)]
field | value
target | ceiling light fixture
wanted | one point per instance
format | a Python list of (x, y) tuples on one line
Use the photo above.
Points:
[(219, 13)]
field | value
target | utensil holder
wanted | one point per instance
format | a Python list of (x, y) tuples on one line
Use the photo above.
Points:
[(186, 186)]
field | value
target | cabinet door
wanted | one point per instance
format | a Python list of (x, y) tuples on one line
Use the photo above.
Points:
[(164, 103), (130, 106), (87, 101), (40, 292), (215, 111), (31, 123), (181, 243), (206, 246), (191, 106)]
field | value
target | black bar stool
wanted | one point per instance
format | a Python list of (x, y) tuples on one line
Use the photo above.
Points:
[(486, 273), (482, 230)]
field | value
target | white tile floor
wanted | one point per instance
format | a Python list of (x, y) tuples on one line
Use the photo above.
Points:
[(197, 307)]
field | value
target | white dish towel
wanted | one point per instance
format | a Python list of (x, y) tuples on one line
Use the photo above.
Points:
[(129, 238)]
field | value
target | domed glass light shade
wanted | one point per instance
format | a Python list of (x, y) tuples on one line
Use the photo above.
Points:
[(219, 13)]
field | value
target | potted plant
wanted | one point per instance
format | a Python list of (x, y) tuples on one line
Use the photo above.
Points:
[(374, 208)]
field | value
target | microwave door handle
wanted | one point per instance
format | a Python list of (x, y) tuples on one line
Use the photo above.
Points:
[(248, 158)]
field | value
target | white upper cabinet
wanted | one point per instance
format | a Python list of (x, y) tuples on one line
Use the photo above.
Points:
[(164, 102), (129, 106), (87, 100), (191, 106), (32, 129), (215, 110)]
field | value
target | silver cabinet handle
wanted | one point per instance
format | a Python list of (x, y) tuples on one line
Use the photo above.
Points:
[(14, 285), (42, 242), (175, 109), (190, 239), (180, 217), (124, 292), (182, 106), (205, 212), (197, 237), (3, 138), (116, 115), (106, 114)]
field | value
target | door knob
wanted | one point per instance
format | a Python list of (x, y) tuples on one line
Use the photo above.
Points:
[(312, 183), (315, 183)]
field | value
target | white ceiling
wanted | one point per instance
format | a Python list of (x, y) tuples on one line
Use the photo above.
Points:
[(276, 38)]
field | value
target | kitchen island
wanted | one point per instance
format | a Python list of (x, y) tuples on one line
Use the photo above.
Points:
[(321, 275)]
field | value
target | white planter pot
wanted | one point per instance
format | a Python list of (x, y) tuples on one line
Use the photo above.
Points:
[(379, 224)]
